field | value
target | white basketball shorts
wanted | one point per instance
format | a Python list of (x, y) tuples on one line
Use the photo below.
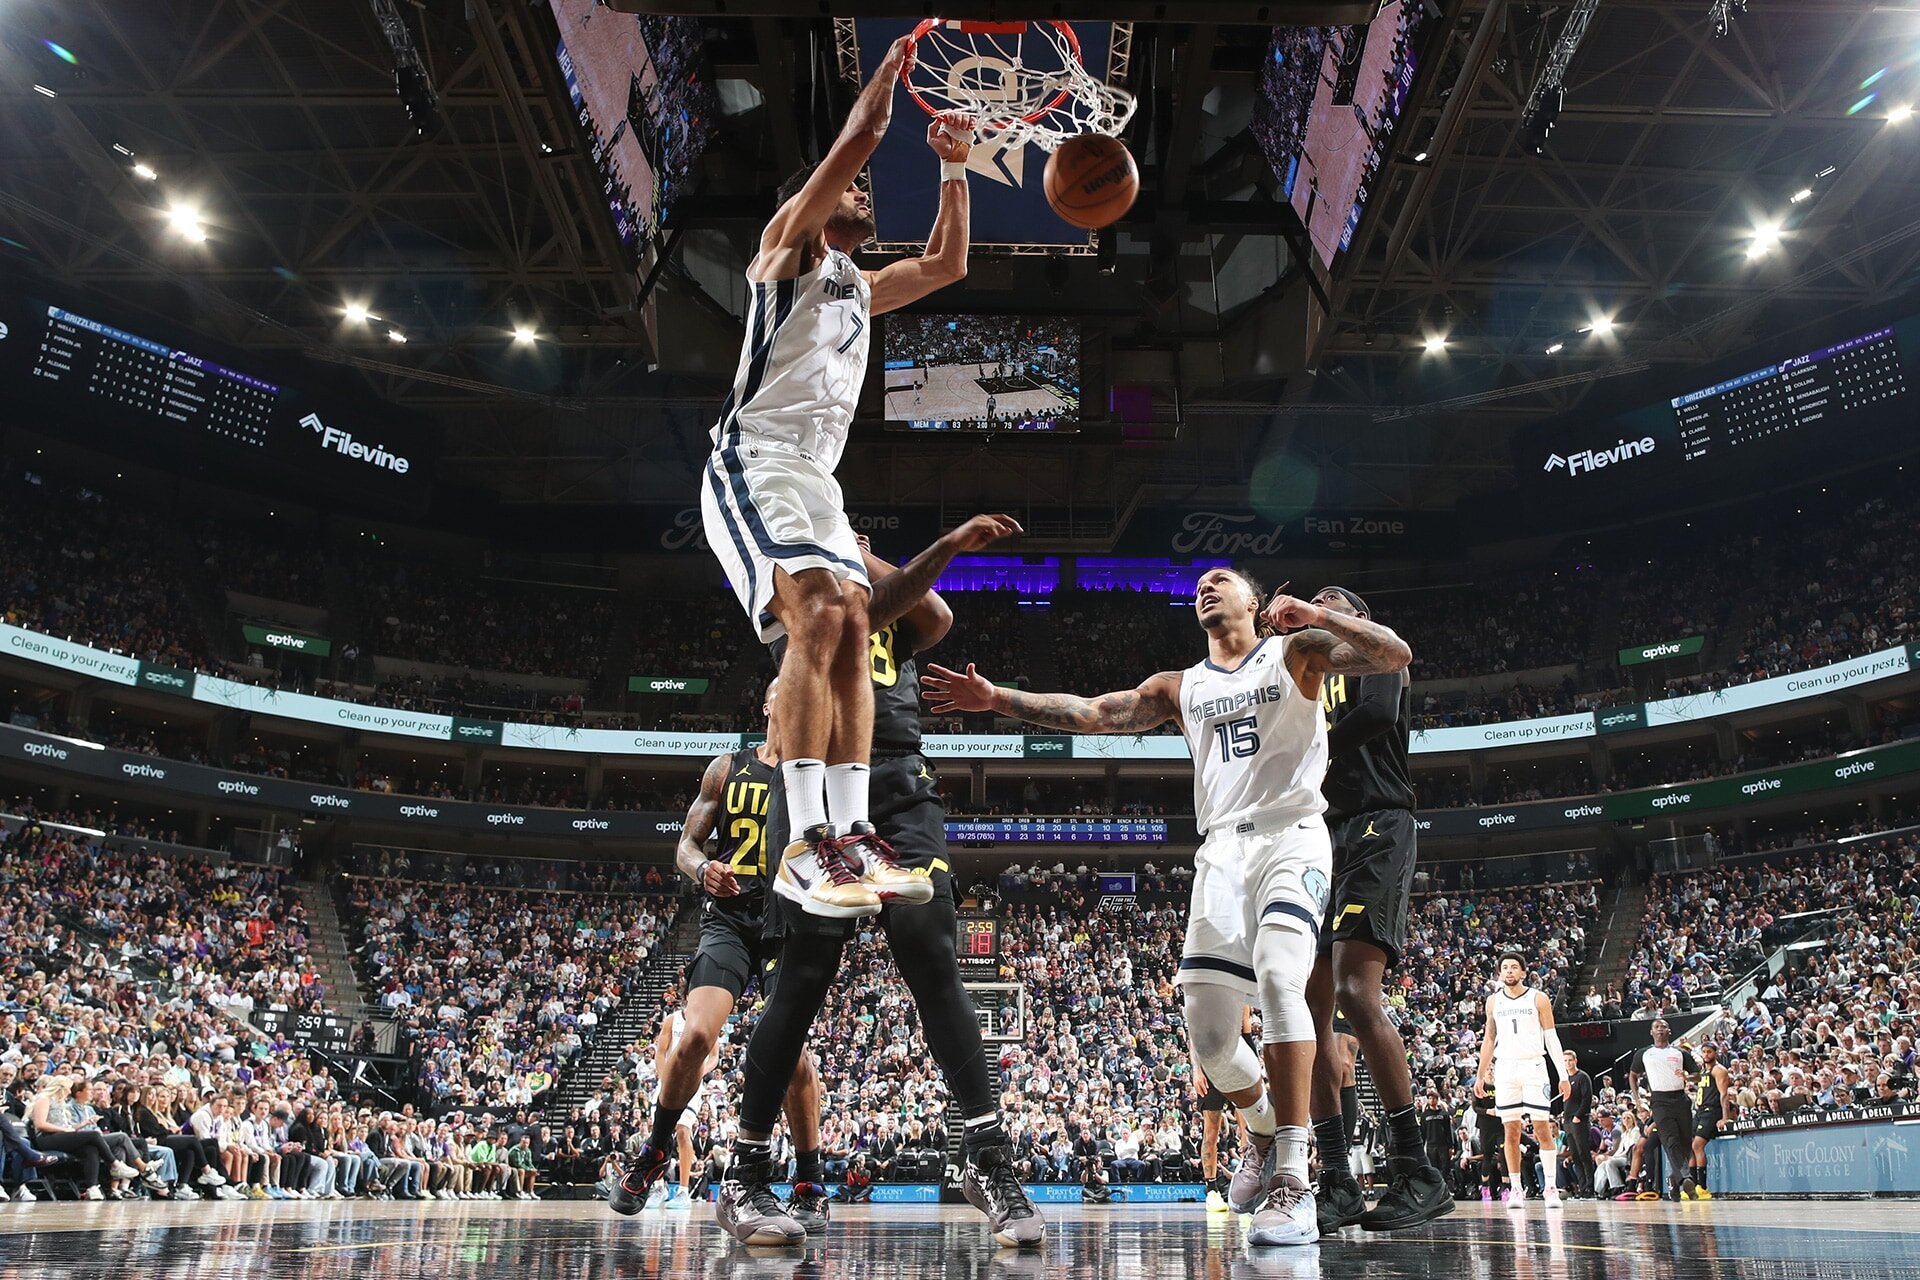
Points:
[(1521, 1090), (768, 507), (1278, 870)]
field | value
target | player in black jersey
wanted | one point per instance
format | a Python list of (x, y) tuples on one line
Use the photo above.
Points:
[(736, 945), (1713, 1107), (1369, 793), (909, 825)]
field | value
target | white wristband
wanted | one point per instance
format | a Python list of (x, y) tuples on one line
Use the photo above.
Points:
[(953, 171)]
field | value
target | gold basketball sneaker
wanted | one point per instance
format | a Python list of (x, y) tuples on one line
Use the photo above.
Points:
[(816, 872), (880, 868)]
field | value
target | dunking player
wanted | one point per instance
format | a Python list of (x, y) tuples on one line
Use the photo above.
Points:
[(1252, 720), (1370, 801), (771, 508), (736, 944), (1213, 1116), (910, 830), (1514, 1059)]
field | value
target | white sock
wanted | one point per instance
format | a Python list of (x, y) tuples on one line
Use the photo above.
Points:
[(1290, 1143), (1548, 1173), (847, 794), (1260, 1118), (806, 794)]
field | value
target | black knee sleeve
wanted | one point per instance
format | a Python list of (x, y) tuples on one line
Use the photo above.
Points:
[(808, 964), (923, 947)]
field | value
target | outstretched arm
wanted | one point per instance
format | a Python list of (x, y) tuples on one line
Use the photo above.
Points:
[(1154, 702), (907, 592), (1337, 643), (690, 855), (798, 220), (945, 260)]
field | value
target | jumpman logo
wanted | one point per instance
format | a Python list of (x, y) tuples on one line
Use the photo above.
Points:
[(925, 772), (1369, 831)]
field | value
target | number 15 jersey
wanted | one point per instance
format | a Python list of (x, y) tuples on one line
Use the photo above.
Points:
[(1259, 746)]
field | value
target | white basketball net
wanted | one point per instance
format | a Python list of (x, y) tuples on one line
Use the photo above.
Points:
[(1024, 81)]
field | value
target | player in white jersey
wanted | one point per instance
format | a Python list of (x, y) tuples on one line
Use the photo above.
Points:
[(672, 1027), (772, 510), (1518, 1057), (1252, 720)]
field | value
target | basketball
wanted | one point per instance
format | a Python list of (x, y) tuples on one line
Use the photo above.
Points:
[(1092, 180)]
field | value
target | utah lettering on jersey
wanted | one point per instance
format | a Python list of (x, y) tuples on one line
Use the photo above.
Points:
[(747, 803)]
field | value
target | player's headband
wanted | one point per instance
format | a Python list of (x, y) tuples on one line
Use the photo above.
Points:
[(1359, 605)]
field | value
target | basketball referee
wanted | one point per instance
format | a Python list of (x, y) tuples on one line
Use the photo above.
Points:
[(1666, 1067), (1369, 793)]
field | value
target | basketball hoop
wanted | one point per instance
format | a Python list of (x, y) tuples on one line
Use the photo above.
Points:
[(1024, 81)]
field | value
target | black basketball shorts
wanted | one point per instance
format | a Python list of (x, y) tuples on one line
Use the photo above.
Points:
[(1373, 862)]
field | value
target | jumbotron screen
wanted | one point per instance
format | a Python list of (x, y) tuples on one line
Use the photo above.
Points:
[(1329, 100), (643, 98), (982, 373), (140, 389)]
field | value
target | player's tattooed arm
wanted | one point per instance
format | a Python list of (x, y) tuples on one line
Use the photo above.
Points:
[(690, 855), (1337, 643), (898, 592), (1154, 702)]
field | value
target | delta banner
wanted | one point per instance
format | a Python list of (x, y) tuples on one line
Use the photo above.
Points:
[(1870, 1157), (690, 685), (1661, 652), (287, 641), (82, 760)]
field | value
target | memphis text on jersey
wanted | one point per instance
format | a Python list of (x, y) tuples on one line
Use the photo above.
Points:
[(1235, 701)]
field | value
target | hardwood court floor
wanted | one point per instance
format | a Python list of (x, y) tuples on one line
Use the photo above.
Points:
[(577, 1240)]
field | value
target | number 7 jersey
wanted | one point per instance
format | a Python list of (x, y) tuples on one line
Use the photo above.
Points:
[(1259, 745)]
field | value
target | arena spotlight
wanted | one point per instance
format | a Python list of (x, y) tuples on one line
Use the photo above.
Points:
[(1803, 194), (1765, 236), (1556, 348), (184, 218), (1436, 343), (396, 337), (144, 171), (356, 312), (1900, 114), (1601, 326), (525, 335)]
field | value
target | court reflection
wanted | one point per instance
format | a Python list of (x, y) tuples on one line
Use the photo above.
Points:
[(577, 1241)]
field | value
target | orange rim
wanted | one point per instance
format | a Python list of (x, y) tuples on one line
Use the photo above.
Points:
[(926, 25)]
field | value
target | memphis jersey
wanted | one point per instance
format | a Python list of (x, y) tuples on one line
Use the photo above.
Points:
[(1259, 747), (803, 361), (743, 828), (1518, 1040)]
